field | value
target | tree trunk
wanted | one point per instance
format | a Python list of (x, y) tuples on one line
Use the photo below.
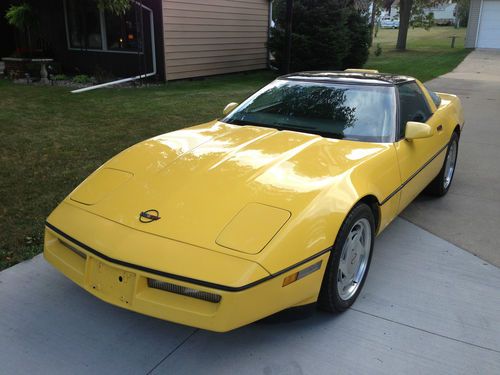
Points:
[(288, 36), (404, 23), (372, 21), (28, 36)]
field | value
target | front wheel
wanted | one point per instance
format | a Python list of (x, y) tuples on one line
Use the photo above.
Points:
[(349, 261), (441, 184)]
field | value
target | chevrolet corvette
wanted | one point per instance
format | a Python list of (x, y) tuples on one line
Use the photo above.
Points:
[(275, 205)]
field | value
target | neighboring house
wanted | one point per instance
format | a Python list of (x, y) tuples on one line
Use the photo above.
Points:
[(182, 38), (483, 29), (444, 14), (390, 13)]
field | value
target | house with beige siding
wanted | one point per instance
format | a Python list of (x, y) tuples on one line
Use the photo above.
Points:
[(168, 39), (203, 38)]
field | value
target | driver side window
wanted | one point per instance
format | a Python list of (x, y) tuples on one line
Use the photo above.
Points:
[(413, 106)]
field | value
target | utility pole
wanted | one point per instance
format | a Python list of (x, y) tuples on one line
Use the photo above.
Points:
[(288, 35)]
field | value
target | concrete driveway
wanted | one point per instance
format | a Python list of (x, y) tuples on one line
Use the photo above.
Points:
[(428, 307), (469, 215)]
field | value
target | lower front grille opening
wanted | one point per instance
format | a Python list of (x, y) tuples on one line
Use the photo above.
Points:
[(73, 249), (182, 290)]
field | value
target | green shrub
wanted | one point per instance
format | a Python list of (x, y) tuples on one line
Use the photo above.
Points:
[(82, 79), (60, 77), (378, 50), (325, 36)]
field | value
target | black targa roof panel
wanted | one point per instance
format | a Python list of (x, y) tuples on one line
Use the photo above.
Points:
[(350, 77)]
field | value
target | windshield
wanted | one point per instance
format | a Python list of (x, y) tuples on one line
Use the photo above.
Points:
[(342, 111)]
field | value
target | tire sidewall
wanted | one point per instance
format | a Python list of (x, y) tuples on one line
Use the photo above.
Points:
[(454, 138), (329, 295)]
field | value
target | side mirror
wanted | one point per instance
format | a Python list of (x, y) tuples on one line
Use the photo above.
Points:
[(417, 130), (229, 108)]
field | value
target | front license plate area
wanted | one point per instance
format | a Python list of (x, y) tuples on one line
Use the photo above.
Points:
[(112, 283)]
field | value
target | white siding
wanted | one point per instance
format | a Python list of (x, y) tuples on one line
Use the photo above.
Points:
[(488, 35)]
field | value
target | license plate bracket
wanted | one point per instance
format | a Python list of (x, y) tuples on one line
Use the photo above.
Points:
[(112, 283)]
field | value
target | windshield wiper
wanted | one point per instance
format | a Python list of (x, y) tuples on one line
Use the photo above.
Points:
[(244, 122), (307, 129)]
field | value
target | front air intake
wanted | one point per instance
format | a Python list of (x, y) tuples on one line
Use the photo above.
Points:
[(73, 249), (182, 290)]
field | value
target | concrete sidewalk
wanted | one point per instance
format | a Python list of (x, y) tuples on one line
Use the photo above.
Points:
[(469, 215), (427, 307)]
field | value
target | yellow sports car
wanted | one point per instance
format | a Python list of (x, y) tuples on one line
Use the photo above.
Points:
[(274, 206)]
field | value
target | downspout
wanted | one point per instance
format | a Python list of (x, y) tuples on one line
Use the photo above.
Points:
[(141, 76)]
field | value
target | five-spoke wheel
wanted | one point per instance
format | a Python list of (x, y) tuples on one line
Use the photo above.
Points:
[(349, 261)]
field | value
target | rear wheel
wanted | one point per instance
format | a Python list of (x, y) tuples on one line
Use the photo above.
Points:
[(349, 261), (441, 184)]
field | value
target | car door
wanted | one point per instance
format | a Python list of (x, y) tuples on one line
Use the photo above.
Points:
[(420, 159)]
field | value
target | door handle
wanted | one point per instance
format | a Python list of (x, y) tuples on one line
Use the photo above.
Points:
[(440, 128)]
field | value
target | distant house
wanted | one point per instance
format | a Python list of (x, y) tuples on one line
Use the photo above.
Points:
[(174, 38), (444, 14), (392, 12), (483, 30)]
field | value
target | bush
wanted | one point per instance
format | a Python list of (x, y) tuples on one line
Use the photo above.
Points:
[(423, 20), (378, 50), (82, 79), (326, 35), (60, 77)]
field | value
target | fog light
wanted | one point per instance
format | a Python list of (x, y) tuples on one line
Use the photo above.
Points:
[(302, 273), (185, 291)]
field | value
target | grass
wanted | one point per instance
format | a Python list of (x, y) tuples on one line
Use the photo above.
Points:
[(50, 140), (428, 55)]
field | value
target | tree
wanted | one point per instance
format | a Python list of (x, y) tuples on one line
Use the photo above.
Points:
[(23, 18), (462, 13), (326, 35), (404, 23), (117, 7), (407, 9)]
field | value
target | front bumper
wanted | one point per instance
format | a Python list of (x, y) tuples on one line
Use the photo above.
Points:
[(127, 286)]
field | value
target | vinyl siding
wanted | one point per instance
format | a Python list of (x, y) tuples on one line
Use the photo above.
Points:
[(221, 36), (473, 23)]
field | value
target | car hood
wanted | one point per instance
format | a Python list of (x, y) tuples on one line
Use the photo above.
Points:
[(219, 186)]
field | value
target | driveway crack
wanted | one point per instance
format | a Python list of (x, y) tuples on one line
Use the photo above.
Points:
[(426, 331), (172, 351)]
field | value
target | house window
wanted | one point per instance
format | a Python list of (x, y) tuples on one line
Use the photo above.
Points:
[(84, 25), (122, 33), (89, 28)]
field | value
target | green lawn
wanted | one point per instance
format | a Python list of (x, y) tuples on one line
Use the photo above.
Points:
[(428, 52), (50, 140)]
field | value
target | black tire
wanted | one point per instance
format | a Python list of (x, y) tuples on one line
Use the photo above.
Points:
[(438, 187), (329, 298)]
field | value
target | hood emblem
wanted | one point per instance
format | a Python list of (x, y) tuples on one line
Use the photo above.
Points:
[(149, 216)]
